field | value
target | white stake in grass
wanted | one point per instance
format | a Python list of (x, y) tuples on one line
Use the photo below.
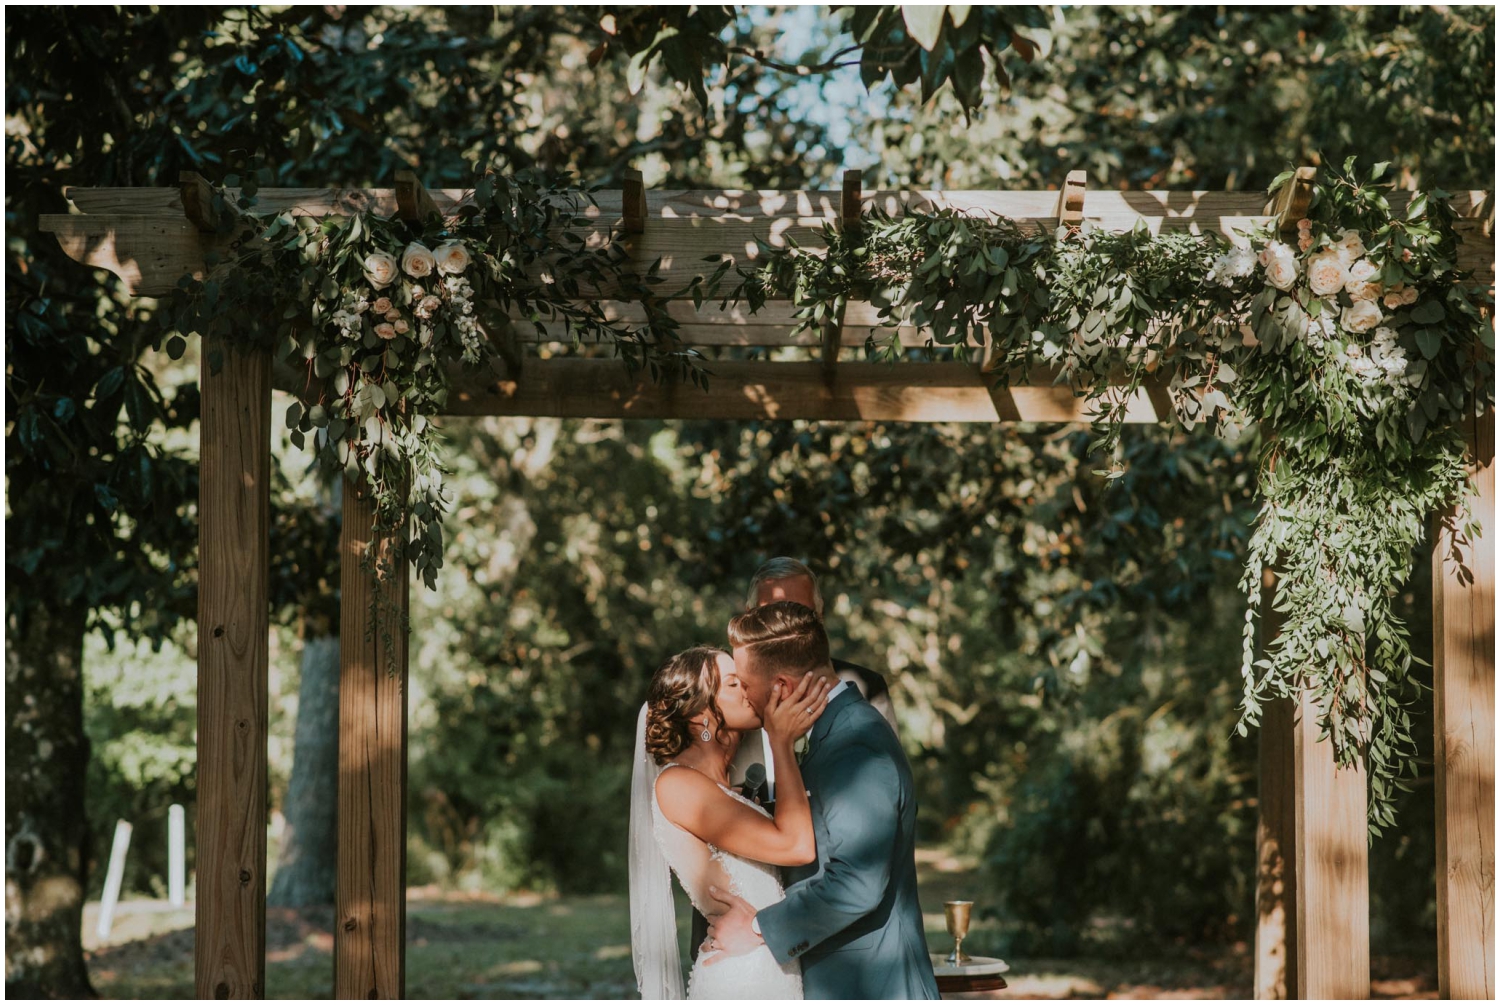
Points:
[(114, 878), (176, 855)]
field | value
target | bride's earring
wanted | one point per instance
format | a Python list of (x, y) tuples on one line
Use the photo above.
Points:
[(705, 736)]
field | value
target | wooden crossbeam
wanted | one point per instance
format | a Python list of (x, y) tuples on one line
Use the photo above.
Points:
[(142, 235), (892, 392)]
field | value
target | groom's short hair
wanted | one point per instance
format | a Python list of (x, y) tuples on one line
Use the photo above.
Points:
[(784, 637)]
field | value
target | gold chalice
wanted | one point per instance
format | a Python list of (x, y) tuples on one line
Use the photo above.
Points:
[(956, 912)]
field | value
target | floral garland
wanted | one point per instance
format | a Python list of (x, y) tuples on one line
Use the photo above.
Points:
[(376, 311), (1361, 349)]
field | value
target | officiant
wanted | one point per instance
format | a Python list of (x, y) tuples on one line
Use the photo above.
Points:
[(753, 771)]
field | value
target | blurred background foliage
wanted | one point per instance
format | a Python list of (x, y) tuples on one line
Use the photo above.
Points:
[(1063, 655)]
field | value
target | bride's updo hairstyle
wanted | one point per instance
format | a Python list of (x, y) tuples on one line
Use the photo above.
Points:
[(682, 688)]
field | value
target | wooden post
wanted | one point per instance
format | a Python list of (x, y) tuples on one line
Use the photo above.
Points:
[(370, 933), (234, 624), (1463, 680), (1293, 199), (832, 333), (633, 202), (1276, 833), (413, 202), (1070, 199), (1332, 868)]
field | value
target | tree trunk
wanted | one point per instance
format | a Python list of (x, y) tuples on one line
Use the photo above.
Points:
[(46, 832), (308, 861)]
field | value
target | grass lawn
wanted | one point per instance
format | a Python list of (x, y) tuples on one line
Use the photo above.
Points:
[(579, 947)]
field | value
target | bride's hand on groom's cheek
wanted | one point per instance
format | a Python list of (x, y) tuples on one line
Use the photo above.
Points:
[(791, 714), (730, 934)]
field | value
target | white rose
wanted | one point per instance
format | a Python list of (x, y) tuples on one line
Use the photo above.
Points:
[(1361, 316), (417, 261), (1363, 270), (1363, 291), (1326, 273), (452, 257), (1280, 264), (1353, 246), (380, 269)]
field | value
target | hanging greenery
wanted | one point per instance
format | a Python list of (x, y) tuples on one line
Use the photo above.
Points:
[(1359, 348), (376, 311)]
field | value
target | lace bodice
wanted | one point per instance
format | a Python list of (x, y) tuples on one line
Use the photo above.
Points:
[(699, 865)]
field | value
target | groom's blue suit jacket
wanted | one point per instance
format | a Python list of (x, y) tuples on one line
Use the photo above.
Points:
[(852, 916)]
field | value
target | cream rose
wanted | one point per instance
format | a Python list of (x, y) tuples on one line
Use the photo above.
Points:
[(452, 257), (427, 306), (393, 315), (380, 269), (1409, 295), (1363, 291), (1326, 273), (402, 327), (1361, 316), (1280, 263), (382, 306), (385, 330), (417, 261), (1353, 246)]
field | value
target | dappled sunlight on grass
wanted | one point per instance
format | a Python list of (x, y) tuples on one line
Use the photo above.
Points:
[(471, 946)]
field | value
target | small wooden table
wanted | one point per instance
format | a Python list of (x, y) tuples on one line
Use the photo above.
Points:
[(981, 973)]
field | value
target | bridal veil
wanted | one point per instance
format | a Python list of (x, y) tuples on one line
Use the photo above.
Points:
[(653, 916)]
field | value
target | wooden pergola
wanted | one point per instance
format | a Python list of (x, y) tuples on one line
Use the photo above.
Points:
[(1313, 897)]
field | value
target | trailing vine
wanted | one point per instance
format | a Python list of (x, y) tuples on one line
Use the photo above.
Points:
[(374, 312), (1360, 348)]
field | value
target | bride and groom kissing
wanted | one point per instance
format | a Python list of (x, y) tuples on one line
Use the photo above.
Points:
[(846, 923)]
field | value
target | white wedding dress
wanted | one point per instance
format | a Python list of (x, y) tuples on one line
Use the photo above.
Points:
[(699, 865), (659, 848)]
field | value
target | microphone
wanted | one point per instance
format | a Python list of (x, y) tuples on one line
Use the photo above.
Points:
[(754, 785)]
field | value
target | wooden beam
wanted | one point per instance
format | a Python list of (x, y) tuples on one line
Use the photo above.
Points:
[(233, 637), (1276, 832), (414, 203), (142, 236), (1070, 199), (900, 392), (197, 201), (1293, 199), (370, 933), (832, 333), (1463, 672), (633, 202), (1332, 870)]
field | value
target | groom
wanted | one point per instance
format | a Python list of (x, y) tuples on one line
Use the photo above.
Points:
[(851, 917)]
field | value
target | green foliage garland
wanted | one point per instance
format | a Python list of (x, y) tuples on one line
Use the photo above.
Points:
[(376, 311), (1361, 349)]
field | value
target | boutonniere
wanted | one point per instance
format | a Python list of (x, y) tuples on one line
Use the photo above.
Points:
[(800, 748)]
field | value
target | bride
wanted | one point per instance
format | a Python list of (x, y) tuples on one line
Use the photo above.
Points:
[(685, 818)]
